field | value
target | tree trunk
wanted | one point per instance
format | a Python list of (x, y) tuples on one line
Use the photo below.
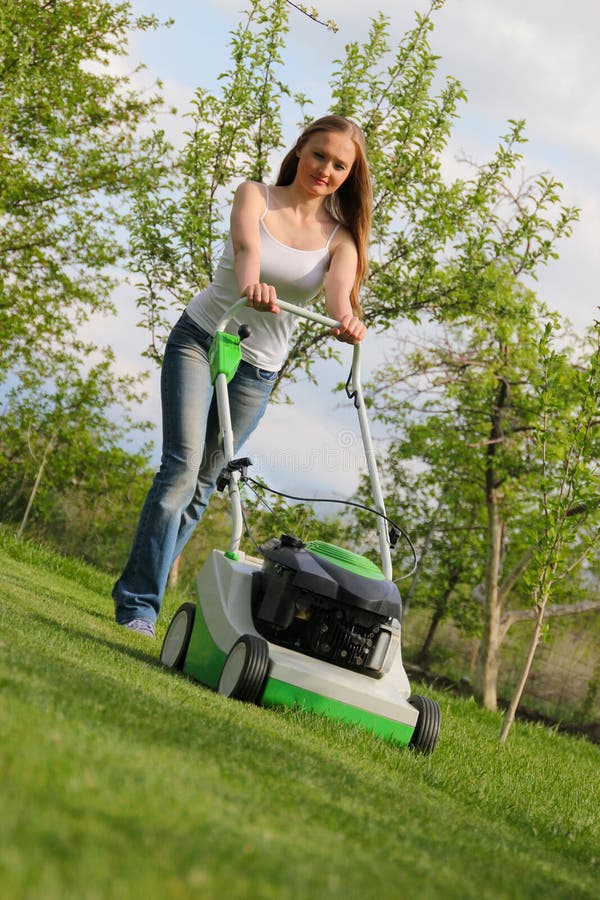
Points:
[(438, 614), (511, 712), (486, 680), (423, 655), (38, 478), (488, 660), (488, 664)]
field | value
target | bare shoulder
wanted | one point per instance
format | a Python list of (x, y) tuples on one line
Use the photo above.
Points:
[(250, 192), (247, 208), (343, 241)]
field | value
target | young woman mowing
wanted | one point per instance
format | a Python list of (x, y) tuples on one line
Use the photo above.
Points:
[(308, 231)]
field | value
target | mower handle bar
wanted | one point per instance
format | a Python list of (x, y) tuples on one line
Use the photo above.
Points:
[(226, 431), (286, 307)]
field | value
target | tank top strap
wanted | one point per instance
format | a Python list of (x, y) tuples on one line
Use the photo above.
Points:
[(266, 187), (331, 236)]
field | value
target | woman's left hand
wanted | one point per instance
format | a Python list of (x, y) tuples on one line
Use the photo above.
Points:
[(351, 330)]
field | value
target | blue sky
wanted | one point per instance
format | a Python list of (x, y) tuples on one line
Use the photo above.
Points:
[(535, 60)]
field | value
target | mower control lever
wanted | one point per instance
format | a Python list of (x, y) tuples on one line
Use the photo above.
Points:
[(393, 533), (240, 465), (234, 465)]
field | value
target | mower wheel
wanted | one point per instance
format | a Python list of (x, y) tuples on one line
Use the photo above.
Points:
[(177, 638), (245, 669), (427, 729)]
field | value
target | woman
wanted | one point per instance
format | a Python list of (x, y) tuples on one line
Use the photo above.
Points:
[(310, 230)]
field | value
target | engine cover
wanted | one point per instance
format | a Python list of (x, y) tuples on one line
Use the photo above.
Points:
[(327, 602)]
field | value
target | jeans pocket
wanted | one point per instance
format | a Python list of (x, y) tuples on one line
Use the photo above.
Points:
[(253, 373), (266, 375)]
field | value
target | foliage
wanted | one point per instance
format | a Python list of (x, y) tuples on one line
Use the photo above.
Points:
[(436, 243), (463, 411), (62, 461), (265, 517), (176, 226), (69, 157), (568, 494), (430, 493), (268, 516), (569, 448)]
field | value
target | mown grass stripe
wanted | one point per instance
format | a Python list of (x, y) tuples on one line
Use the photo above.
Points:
[(121, 778)]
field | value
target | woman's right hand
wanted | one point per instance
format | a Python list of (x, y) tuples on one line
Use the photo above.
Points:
[(351, 331), (262, 297)]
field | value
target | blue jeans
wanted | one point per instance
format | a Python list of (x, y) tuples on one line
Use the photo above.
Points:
[(191, 461)]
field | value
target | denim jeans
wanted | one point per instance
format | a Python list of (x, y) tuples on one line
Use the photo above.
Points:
[(191, 461)]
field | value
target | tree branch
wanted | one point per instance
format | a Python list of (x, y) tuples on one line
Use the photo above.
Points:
[(314, 15), (513, 576), (529, 615)]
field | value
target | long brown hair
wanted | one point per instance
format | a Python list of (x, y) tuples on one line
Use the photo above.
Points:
[(351, 203)]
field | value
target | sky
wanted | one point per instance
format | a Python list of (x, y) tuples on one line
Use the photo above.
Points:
[(517, 59)]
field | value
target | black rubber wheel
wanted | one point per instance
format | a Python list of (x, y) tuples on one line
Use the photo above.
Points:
[(177, 639), (245, 669), (427, 729)]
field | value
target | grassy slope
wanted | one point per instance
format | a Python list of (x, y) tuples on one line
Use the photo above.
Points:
[(121, 779)]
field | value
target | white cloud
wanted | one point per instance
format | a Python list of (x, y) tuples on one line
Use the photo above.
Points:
[(537, 60)]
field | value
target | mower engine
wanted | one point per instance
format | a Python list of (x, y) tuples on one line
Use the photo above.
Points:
[(327, 602)]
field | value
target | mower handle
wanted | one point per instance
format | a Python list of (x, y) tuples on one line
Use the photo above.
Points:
[(286, 307), (312, 317), (227, 433)]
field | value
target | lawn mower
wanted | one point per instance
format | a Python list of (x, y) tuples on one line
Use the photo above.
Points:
[(304, 624)]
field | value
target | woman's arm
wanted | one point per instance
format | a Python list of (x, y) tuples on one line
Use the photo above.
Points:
[(338, 285), (248, 207)]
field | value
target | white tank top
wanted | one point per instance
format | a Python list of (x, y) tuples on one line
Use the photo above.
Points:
[(297, 276)]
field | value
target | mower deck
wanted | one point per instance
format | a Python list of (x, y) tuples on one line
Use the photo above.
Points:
[(379, 705)]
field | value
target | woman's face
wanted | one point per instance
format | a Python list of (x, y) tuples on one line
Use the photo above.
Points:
[(324, 162)]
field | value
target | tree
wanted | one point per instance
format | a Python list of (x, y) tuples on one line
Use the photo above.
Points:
[(61, 429), (434, 243), (176, 226), (473, 436), (569, 489), (437, 245), (70, 155), (429, 493)]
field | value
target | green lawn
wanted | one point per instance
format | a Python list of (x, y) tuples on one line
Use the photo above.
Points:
[(121, 779)]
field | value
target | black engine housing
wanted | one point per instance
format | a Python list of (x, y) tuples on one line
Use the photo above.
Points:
[(305, 600)]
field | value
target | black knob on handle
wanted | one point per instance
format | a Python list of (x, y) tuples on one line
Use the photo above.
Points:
[(244, 332)]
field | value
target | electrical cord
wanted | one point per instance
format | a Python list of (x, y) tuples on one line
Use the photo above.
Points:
[(394, 528), (262, 500), (247, 530)]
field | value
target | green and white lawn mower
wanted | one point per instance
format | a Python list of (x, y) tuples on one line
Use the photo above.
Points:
[(307, 624)]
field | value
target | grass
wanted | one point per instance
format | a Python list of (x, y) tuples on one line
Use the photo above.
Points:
[(123, 780)]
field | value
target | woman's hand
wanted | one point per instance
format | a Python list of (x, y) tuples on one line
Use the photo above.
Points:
[(262, 297), (351, 330)]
